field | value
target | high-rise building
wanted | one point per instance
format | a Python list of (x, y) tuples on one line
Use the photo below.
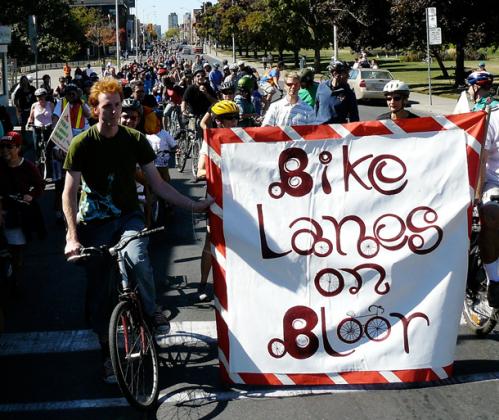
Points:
[(172, 21)]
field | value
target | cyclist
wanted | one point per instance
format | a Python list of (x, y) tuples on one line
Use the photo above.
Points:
[(479, 90), (290, 110), (397, 96), (247, 111), (103, 158), (308, 89), (227, 92), (335, 102), (225, 114), (59, 90), (198, 97), (24, 97), (40, 118), (46, 85), (270, 84), (21, 217)]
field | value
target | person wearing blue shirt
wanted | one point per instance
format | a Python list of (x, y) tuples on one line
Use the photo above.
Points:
[(335, 101), (215, 77)]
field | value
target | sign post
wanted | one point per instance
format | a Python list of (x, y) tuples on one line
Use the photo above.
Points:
[(32, 33), (433, 37)]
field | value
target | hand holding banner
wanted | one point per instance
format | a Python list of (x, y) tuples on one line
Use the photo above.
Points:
[(63, 133)]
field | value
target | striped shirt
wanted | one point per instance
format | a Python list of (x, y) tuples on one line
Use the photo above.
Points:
[(282, 113)]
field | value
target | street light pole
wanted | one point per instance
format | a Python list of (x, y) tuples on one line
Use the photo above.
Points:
[(136, 33), (233, 43), (117, 38)]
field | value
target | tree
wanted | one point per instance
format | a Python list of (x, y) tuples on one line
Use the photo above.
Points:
[(470, 30), (172, 33), (97, 28), (59, 36)]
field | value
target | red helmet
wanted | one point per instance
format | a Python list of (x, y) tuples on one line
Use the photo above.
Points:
[(12, 137)]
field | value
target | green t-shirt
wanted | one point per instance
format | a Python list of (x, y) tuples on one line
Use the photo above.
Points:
[(308, 95), (108, 168)]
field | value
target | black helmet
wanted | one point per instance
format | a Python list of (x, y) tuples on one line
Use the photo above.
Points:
[(338, 66), (197, 70), (130, 104), (307, 76), (71, 87), (227, 86)]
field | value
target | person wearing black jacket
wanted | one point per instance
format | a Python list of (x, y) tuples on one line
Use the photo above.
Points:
[(20, 186)]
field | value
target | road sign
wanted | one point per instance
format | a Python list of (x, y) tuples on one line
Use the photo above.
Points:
[(5, 34), (435, 36), (432, 21)]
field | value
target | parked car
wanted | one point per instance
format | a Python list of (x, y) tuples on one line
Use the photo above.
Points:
[(186, 51), (198, 50), (369, 83)]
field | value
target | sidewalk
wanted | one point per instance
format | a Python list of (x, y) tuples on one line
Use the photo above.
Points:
[(420, 102)]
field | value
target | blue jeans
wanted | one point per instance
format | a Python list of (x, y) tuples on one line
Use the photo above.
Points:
[(101, 286)]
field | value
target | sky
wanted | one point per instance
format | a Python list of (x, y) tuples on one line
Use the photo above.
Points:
[(157, 11)]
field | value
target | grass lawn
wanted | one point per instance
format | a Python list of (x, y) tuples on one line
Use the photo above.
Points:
[(413, 73)]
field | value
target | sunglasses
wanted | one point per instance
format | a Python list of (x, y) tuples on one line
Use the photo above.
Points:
[(291, 84), (229, 117), (395, 98), (7, 146)]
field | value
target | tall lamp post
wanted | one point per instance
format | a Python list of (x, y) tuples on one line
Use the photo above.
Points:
[(117, 38), (233, 43)]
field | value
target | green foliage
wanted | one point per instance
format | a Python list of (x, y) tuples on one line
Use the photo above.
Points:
[(172, 33), (59, 35)]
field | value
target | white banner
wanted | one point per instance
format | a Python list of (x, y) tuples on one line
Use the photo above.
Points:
[(63, 134), (345, 255)]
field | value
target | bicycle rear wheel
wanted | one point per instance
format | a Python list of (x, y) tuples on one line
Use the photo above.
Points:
[(134, 356)]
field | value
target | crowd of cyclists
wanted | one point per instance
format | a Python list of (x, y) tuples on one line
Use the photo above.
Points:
[(126, 122)]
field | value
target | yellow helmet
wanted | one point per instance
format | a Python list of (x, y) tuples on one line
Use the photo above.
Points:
[(224, 107)]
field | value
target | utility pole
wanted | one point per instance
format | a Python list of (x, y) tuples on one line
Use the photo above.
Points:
[(233, 43), (136, 32)]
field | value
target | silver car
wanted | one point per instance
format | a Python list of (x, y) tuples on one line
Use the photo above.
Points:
[(369, 83)]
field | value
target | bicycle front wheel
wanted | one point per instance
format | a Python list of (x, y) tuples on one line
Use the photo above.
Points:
[(134, 356), (182, 152), (478, 315), (195, 159)]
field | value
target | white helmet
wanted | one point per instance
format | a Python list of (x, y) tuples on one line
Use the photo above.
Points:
[(396, 86)]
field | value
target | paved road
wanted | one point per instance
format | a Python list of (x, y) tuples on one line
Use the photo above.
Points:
[(50, 362)]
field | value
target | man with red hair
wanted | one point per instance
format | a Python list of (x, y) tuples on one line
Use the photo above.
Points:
[(104, 159)]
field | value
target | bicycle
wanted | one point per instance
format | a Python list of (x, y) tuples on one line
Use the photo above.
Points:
[(189, 145), (478, 315), (174, 126), (41, 141), (133, 351)]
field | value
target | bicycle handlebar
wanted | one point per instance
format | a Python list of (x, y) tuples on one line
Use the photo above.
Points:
[(125, 241), (86, 253)]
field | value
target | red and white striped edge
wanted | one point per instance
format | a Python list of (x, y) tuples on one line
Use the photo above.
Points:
[(473, 123)]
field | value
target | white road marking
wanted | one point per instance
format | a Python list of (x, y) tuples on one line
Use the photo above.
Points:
[(12, 344), (176, 397), (43, 342)]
